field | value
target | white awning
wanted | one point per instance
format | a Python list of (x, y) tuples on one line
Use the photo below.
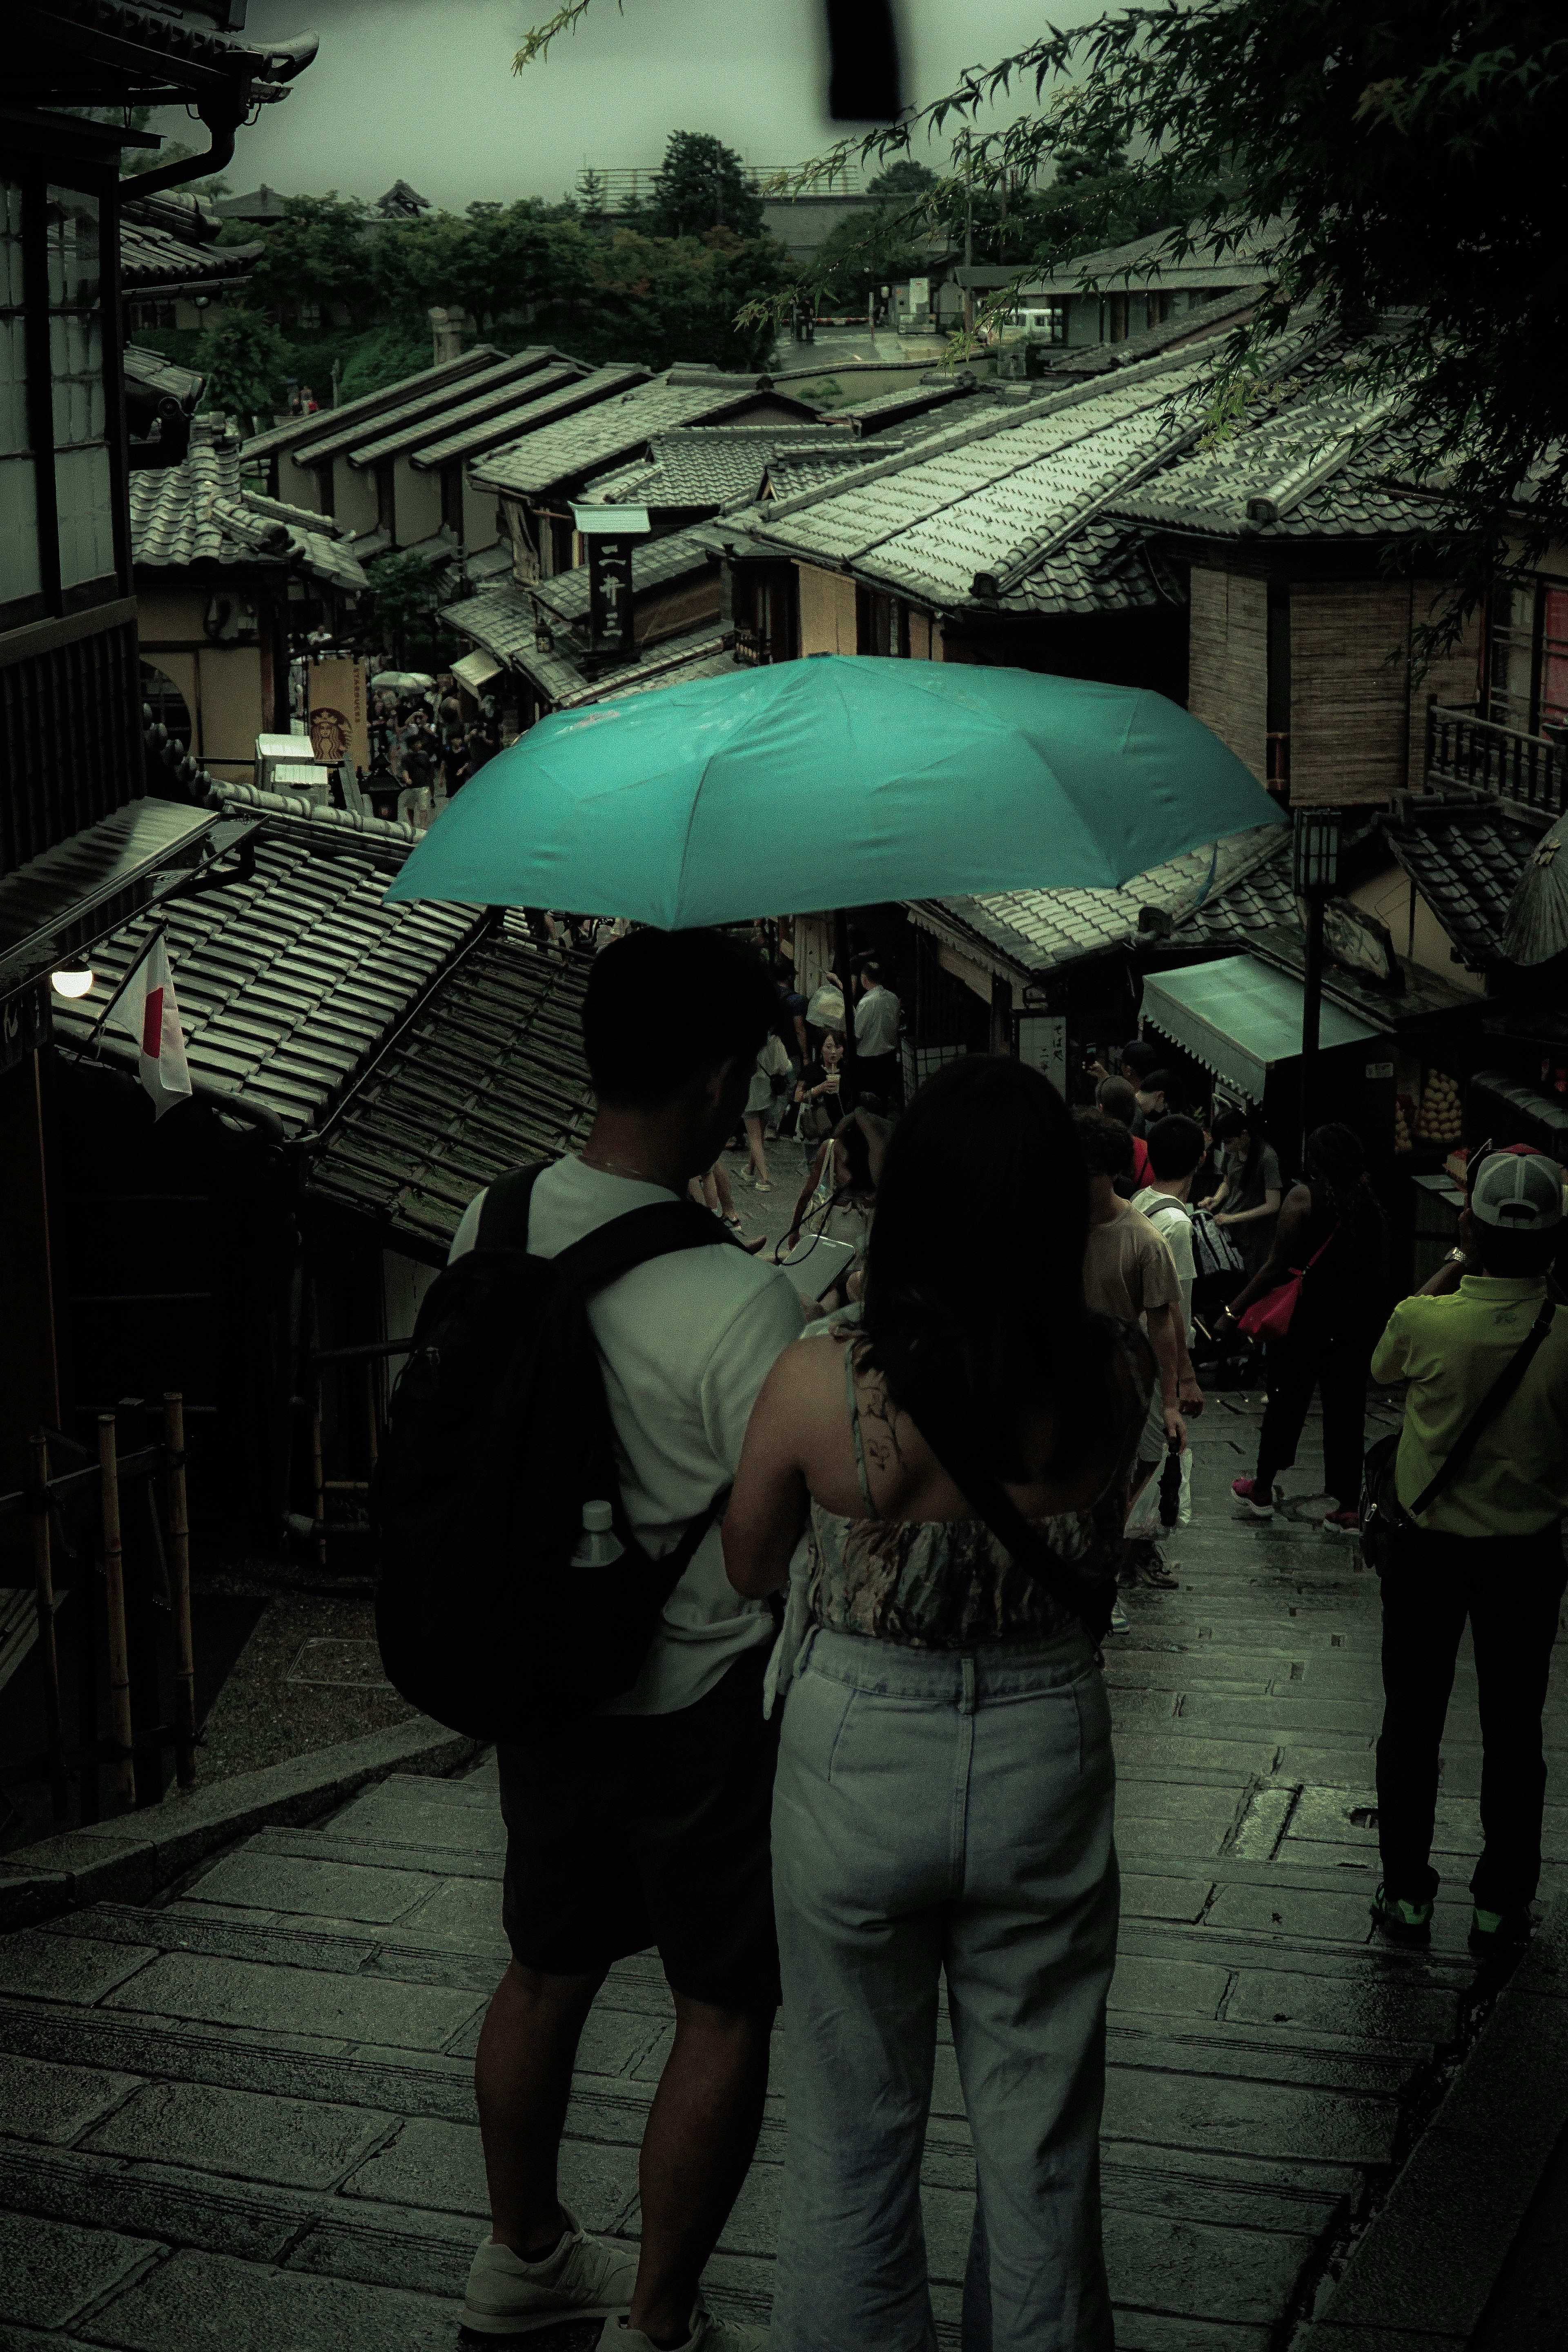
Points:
[(475, 670)]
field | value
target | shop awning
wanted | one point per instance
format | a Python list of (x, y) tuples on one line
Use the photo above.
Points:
[(1240, 1017), (476, 670)]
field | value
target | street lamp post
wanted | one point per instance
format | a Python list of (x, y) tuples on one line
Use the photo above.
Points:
[(1314, 876)]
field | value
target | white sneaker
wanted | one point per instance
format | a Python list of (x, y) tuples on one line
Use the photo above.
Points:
[(1120, 1621), (708, 2334), (583, 2278)]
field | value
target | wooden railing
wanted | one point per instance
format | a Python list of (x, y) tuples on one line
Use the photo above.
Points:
[(1464, 749)]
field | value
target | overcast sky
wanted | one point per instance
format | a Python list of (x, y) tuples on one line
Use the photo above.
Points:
[(423, 90)]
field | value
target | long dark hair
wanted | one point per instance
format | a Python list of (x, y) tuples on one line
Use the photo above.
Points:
[(985, 1313), (1241, 1123), (1335, 1171)]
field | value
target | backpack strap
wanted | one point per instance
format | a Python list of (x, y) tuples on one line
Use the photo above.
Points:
[(1490, 1405), (634, 1238), (503, 1212)]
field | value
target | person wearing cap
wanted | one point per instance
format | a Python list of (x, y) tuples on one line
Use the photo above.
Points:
[(1488, 1547)]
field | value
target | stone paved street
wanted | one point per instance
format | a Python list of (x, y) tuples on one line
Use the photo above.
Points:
[(244, 2118)]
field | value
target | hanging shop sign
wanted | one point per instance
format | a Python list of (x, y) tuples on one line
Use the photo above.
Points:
[(338, 712)]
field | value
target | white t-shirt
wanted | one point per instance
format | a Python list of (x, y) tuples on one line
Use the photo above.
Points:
[(1172, 1220), (687, 1341), (876, 1022)]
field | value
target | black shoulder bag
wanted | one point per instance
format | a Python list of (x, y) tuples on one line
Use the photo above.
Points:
[(1384, 1517)]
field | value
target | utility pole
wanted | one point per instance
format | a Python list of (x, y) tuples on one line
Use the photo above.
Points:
[(968, 258)]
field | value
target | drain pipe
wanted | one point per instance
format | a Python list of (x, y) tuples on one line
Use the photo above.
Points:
[(223, 113)]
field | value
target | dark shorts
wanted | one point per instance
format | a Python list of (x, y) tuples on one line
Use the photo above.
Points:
[(628, 1831)]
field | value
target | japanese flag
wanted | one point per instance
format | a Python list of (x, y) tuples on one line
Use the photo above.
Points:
[(147, 1012)]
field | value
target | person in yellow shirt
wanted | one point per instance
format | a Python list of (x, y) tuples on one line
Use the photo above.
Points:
[(1488, 1547)]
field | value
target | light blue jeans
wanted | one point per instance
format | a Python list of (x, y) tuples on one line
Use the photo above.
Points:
[(943, 1811)]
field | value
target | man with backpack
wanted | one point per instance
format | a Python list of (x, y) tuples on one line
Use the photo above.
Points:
[(643, 1820), (1481, 1482)]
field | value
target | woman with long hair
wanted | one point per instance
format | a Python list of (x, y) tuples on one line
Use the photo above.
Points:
[(1332, 1227), (945, 1788), (1247, 1202)]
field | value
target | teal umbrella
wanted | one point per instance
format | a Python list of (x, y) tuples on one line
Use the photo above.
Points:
[(831, 782)]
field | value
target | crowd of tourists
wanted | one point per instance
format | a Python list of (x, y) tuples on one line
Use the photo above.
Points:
[(867, 1747), (423, 749)]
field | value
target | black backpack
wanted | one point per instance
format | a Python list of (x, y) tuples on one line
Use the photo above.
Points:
[(499, 1433)]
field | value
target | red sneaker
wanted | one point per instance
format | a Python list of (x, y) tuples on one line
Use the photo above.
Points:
[(1343, 1523), (1246, 1491)]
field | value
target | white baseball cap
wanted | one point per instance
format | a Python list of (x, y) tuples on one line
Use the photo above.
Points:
[(1518, 1190)]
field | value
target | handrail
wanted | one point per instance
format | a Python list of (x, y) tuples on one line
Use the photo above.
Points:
[(1482, 755)]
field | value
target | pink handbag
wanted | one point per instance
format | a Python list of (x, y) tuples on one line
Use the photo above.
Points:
[(1269, 1318)]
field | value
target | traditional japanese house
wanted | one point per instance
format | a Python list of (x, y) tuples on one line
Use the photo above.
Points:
[(229, 582)]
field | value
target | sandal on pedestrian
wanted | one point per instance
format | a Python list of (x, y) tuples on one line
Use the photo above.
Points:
[(1400, 1922)]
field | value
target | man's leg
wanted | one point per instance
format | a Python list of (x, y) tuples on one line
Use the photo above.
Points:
[(1516, 1596), (701, 2137), (1342, 1362), (1423, 1619), (522, 2079)]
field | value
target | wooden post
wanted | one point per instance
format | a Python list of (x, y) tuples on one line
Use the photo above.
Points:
[(180, 1593), (317, 1478), (44, 1602), (370, 1412), (114, 1597)]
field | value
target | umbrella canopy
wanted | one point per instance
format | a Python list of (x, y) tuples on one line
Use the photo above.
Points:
[(834, 781)]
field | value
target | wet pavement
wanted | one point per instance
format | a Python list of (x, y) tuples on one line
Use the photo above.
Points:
[(245, 2118)]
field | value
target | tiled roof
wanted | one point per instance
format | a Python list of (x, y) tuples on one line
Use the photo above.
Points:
[(1182, 326), (152, 255), (1149, 260), (510, 384), (608, 433), (161, 381), (1313, 468), (489, 1074), (200, 511), (339, 434), (701, 652), (288, 981), (457, 441), (1003, 507), (501, 619), (1037, 931), (922, 399), (655, 561), (297, 431), (1466, 859), (713, 465)]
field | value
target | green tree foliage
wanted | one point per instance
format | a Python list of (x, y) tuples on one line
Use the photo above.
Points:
[(317, 253), (493, 260), (702, 184), (904, 179), (864, 250), (1398, 159), (402, 600), (660, 299), (383, 356), (247, 363)]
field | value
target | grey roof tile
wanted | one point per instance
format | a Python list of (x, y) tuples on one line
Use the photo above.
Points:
[(1040, 929), (509, 384), (488, 1072), (605, 435), (1464, 859), (286, 982), (200, 511), (655, 561)]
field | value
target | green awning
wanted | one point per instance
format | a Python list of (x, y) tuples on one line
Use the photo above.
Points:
[(1240, 1017)]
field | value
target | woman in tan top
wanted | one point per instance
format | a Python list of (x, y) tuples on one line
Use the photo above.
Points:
[(945, 1787)]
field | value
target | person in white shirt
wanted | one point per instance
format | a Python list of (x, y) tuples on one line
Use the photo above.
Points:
[(648, 1823), (877, 1018), (1176, 1148)]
